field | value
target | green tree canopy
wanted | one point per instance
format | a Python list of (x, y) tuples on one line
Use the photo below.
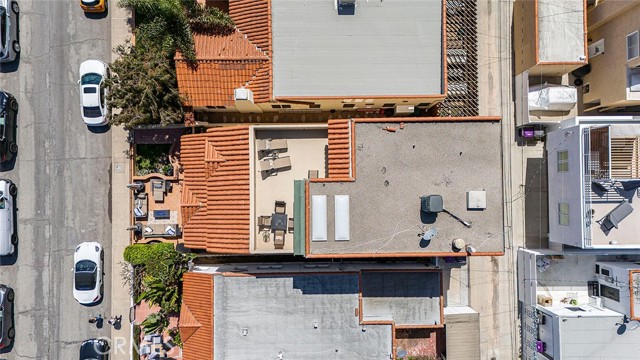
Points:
[(143, 87), (169, 25)]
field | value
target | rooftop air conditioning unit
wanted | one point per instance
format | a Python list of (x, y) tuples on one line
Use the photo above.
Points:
[(403, 110), (595, 301), (242, 94)]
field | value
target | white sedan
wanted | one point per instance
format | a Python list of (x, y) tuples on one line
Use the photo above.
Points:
[(87, 273), (93, 92)]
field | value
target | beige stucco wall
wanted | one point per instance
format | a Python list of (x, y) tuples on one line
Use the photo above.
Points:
[(548, 37), (608, 77), (524, 37), (333, 104)]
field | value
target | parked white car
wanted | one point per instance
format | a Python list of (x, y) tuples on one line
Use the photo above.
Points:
[(88, 287), (8, 236), (93, 92)]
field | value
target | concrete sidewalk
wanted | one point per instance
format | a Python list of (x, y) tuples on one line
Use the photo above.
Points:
[(120, 299)]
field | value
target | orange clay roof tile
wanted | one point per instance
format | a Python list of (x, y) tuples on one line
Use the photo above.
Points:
[(339, 150), (196, 316), (225, 63), (216, 172)]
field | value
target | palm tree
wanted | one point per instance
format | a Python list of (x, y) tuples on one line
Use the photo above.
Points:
[(155, 323), (168, 25)]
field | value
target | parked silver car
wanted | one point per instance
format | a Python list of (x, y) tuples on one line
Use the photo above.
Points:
[(9, 44), (7, 332)]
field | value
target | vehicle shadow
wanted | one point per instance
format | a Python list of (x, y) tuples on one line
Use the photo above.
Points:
[(99, 129), (10, 67), (97, 16), (97, 303), (9, 165), (8, 349)]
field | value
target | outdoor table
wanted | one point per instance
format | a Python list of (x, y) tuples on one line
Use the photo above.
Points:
[(279, 221)]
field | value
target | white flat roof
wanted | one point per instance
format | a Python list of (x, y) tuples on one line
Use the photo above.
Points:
[(385, 48)]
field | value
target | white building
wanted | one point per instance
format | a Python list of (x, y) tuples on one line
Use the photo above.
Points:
[(594, 182), (570, 310)]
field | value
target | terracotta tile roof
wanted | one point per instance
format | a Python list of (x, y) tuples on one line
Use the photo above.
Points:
[(216, 178), (196, 316), (228, 62), (339, 150)]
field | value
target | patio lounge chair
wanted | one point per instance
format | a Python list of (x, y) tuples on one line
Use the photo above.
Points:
[(279, 239), (161, 230), (615, 216), (264, 221), (141, 208), (280, 163), (272, 144), (280, 207), (145, 350), (158, 190), (290, 225)]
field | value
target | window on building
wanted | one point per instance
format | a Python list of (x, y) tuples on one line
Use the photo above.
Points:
[(314, 106), (633, 45), (388, 105), (592, 288), (609, 292), (563, 161), (286, 106), (348, 106), (563, 214), (276, 106)]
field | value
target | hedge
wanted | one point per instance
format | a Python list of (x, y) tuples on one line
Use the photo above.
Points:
[(141, 254)]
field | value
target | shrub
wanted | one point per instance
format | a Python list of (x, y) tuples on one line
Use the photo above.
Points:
[(142, 254), (175, 335), (155, 323), (137, 332)]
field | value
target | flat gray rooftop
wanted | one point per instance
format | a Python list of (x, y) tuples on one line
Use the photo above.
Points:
[(279, 314), (385, 48), (394, 169)]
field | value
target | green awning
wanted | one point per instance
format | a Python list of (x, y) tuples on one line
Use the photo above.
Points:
[(299, 217)]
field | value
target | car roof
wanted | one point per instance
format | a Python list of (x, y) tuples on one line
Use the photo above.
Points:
[(92, 347)]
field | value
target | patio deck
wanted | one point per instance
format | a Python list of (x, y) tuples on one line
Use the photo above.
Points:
[(626, 233), (306, 149), (171, 202)]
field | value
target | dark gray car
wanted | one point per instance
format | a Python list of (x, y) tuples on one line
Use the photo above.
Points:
[(94, 349), (8, 114), (7, 332), (9, 44)]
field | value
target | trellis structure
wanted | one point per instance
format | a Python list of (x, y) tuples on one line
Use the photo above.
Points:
[(462, 59)]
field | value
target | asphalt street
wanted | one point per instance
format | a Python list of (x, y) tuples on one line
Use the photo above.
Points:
[(63, 175)]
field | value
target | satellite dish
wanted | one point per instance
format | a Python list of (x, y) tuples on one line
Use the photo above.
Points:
[(429, 234), (401, 353)]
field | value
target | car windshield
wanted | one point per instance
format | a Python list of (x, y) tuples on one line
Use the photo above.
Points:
[(86, 275), (90, 79), (92, 112), (90, 2)]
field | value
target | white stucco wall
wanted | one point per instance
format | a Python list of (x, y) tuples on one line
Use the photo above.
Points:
[(565, 187)]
